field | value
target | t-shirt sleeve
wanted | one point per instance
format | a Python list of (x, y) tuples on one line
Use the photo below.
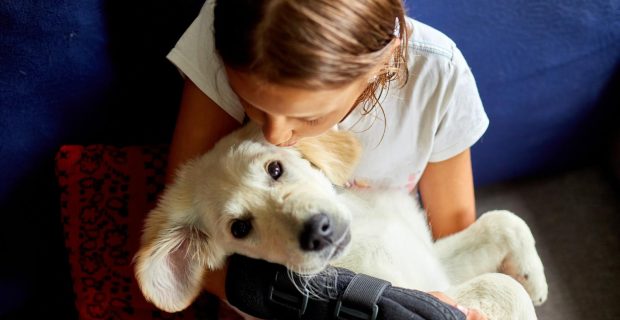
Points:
[(463, 120), (195, 57)]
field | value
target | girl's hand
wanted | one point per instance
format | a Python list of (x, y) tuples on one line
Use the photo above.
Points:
[(472, 314)]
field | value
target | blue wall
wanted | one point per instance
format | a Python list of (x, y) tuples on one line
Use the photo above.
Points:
[(542, 67)]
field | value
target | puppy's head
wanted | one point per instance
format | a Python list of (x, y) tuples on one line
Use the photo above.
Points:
[(249, 197)]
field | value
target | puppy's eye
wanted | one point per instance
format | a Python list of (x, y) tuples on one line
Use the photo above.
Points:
[(241, 228), (274, 168)]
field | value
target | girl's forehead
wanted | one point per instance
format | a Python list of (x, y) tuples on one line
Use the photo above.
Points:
[(288, 100)]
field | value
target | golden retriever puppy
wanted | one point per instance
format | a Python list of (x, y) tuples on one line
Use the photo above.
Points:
[(288, 206)]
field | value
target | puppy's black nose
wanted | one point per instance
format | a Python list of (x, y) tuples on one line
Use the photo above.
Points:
[(317, 233)]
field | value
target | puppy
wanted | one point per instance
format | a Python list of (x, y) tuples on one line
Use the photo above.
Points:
[(284, 205)]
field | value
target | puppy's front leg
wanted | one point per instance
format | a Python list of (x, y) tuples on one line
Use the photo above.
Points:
[(497, 241)]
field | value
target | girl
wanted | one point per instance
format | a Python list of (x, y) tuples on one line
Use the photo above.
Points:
[(299, 68)]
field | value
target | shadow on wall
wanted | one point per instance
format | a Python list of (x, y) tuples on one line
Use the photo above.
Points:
[(611, 130), (146, 89)]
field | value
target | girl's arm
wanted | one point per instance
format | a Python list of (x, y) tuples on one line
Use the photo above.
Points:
[(447, 191), (200, 124)]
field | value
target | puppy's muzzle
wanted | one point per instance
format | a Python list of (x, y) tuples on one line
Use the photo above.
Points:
[(317, 233)]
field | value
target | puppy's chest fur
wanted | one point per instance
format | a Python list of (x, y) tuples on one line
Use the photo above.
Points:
[(391, 240)]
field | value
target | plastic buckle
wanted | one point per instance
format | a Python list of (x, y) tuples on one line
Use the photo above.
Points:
[(347, 313), (295, 302)]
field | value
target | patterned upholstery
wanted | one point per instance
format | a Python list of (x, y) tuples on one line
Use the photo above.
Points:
[(105, 193)]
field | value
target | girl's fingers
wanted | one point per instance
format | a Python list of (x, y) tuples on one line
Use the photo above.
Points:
[(472, 314), (475, 315)]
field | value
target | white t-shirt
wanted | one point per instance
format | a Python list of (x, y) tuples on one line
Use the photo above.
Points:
[(435, 116)]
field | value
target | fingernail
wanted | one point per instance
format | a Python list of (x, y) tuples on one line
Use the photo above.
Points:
[(463, 309)]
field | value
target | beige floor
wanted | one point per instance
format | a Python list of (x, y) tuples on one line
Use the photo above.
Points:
[(575, 218)]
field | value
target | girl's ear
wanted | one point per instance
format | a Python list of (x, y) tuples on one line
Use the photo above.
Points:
[(336, 153), (174, 253)]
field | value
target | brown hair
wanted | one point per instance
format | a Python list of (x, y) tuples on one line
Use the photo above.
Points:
[(313, 43)]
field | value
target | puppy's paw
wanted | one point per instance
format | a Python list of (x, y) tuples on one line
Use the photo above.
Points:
[(522, 261), (528, 270), (497, 295)]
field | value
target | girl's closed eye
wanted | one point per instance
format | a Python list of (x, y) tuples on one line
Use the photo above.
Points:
[(313, 121)]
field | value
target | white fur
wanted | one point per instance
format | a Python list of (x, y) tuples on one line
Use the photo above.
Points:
[(189, 231)]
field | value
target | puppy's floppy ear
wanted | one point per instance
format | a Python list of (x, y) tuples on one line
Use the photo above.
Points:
[(336, 153), (174, 252)]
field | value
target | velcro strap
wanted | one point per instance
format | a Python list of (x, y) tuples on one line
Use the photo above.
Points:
[(286, 297), (359, 300)]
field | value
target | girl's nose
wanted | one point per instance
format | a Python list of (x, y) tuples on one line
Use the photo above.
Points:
[(276, 130)]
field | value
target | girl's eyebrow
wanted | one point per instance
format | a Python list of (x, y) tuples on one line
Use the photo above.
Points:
[(303, 116)]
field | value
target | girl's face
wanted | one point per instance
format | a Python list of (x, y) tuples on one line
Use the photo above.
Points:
[(288, 114)]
